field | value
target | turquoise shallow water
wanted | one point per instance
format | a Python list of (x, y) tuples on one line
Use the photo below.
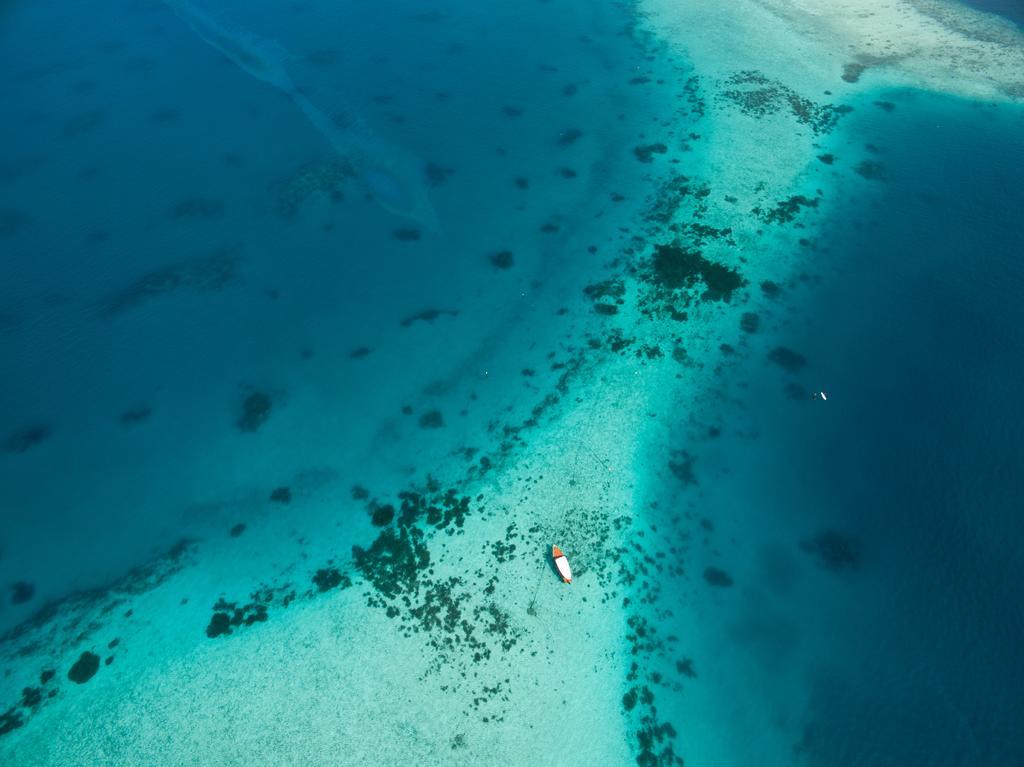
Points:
[(321, 326)]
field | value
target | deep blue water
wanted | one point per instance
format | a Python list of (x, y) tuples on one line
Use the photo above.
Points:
[(915, 329), (1011, 9)]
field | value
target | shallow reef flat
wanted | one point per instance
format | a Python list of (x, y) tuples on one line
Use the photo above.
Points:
[(935, 45), (445, 602)]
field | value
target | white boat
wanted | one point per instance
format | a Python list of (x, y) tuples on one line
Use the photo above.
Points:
[(562, 563)]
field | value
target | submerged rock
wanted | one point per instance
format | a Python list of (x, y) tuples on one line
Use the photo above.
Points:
[(281, 495), (872, 170), (255, 411), (24, 439), (428, 315), (31, 697), (852, 72), (382, 515), (407, 234), (646, 152), (21, 592), (220, 624), (136, 415), (787, 359), (432, 420), (717, 577), (569, 137), (437, 174), (503, 259), (329, 578), (10, 720), (84, 668), (833, 550)]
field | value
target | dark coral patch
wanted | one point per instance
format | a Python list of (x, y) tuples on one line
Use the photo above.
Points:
[(256, 409), (629, 700), (833, 550), (503, 259), (31, 697), (25, 439), (393, 562), (852, 72), (329, 578), (432, 419), (382, 514), (758, 96), (428, 315), (407, 234), (437, 174), (785, 210), (10, 720), (787, 359), (84, 668), (872, 170), (569, 137), (677, 266), (135, 415), (646, 152), (281, 495), (220, 624), (208, 274), (717, 577), (795, 391), (682, 467), (359, 352), (750, 322), (237, 530), (229, 615), (685, 667), (21, 592)]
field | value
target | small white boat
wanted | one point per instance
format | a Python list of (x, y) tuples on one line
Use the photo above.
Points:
[(824, 396), (562, 563)]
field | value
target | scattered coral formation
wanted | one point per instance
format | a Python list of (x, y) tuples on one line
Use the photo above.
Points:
[(207, 274), (256, 409), (758, 96)]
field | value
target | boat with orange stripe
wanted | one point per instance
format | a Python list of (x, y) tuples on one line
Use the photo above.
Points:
[(562, 563)]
